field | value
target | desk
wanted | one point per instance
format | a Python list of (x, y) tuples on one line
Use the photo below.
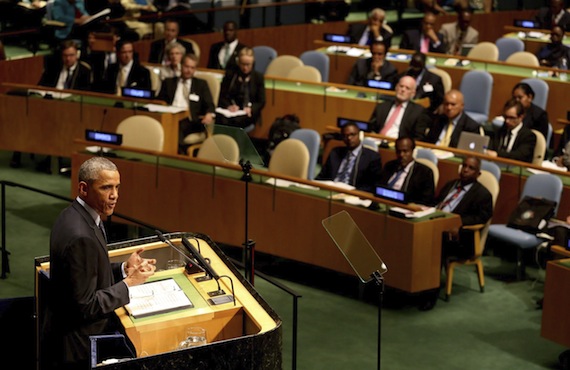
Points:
[(245, 333), (532, 44), (284, 222), (556, 304)]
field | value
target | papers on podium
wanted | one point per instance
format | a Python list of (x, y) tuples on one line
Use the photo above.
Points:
[(229, 114), (96, 16), (157, 297)]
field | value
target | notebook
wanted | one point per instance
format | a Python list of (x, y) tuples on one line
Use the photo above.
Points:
[(473, 142)]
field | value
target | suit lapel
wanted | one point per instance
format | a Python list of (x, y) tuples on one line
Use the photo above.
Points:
[(91, 223)]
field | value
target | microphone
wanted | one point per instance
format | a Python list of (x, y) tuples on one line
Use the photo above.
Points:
[(201, 260), (191, 266), (103, 119)]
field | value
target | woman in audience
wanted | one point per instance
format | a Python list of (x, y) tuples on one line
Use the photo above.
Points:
[(175, 52), (535, 118)]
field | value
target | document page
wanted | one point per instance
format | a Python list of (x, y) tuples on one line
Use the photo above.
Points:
[(157, 297)]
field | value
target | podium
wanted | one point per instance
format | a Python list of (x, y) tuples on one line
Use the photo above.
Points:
[(244, 333)]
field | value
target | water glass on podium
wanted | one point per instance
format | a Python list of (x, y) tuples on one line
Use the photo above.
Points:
[(195, 336)]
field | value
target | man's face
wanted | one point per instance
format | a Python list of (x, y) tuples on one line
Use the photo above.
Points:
[(69, 56), (404, 151), (378, 52), (102, 194), (350, 136), (556, 6), (376, 20), (245, 64), (405, 89), (230, 32), (170, 31), (126, 53), (524, 99), (175, 56), (188, 68), (469, 171), (452, 105), (428, 23), (512, 120), (464, 20), (556, 35)]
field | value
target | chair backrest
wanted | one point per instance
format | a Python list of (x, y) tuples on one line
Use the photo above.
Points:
[(280, 66), (263, 56), (312, 139), (539, 148), (541, 90), (432, 166), (489, 181), (305, 73), (320, 61), (214, 84), (484, 50), (492, 168), (445, 78), (427, 154), (154, 79), (219, 147), (195, 46), (544, 185), (476, 87), (290, 158), (142, 132), (549, 135), (524, 58), (508, 46)]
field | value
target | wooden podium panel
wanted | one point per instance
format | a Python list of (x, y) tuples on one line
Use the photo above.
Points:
[(556, 304)]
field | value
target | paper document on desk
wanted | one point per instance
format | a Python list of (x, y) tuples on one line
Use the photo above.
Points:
[(340, 185), (54, 94), (406, 213), (280, 182), (163, 108), (355, 52), (228, 114), (549, 165), (356, 201), (442, 154), (156, 297)]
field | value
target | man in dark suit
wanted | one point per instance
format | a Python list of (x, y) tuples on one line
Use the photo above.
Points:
[(447, 127), (405, 174), (193, 94), (429, 85), (373, 30), (513, 140), (401, 117), (223, 54), (373, 68), (426, 39), (85, 288), (158, 47), (127, 72), (353, 163), (555, 53), (554, 15)]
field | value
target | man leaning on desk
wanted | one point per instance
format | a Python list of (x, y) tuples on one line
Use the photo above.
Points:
[(426, 39), (374, 68), (373, 30)]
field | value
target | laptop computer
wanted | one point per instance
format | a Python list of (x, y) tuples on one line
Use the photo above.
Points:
[(362, 125), (473, 142)]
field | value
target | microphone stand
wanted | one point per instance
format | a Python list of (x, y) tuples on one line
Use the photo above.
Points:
[(249, 245), (379, 280)]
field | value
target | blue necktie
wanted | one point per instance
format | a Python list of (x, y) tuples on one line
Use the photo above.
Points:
[(344, 175), (395, 179)]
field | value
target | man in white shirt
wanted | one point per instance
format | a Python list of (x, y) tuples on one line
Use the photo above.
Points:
[(457, 34), (127, 72), (223, 55), (373, 30)]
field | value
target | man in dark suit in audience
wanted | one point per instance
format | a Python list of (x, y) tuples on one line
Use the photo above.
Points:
[(127, 72), (374, 68), (513, 140), (353, 163), (401, 117), (373, 30), (405, 174), (554, 53), (158, 47), (447, 127), (554, 15), (425, 39), (429, 85), (223, 54), (193, 94)]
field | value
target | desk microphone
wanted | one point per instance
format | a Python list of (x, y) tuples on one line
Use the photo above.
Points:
[(103, 119), (191, 266)]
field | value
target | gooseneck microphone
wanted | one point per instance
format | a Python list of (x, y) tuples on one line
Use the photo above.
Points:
[(190, 264)]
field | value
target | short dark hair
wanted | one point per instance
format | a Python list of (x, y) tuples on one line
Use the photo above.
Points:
[(402, 138), (514, 103), (349, 123), (526, 88), (90, 169)]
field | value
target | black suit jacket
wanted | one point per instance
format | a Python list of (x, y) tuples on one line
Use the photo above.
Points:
[(368, 166), (361, 69), (418, 185), (411, 41), (536, 118), (523, 147), (551, 55), (85, 288), (230, 91), (214, 60), (198, 87), (415, 121), (544, 17), (423, 90), (465, 123), (96, 59), (138, 77), (476, 206), (80, 80), (355, 31), (157, 49)]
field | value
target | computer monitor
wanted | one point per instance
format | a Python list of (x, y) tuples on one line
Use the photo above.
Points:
[(134, 92), (337, 38), (362, 125)]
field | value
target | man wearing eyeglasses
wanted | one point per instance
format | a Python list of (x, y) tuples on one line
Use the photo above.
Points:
[(513, 140), (374, 68)]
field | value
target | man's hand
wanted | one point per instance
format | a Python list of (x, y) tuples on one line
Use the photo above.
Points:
[(139, 269)]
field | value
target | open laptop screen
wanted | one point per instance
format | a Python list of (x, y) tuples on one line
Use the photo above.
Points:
[(363, 126), (473, 142)]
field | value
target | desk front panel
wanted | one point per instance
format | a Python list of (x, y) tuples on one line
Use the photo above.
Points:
[(556, 305)]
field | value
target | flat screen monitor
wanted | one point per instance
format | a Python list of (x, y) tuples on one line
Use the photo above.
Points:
[(336, 38), (134, 92), (382, 85), (104, 137), (391, 194), (526, 23), (363, 126)]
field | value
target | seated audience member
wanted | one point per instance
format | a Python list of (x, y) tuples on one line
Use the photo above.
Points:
[(553, 15), (175, 51), (373, 68), (145, 30), (61, 72), (402, 117), (457, 34), (426, 39), (513, 140), (127, 72), (564, 140), (353, 163), (373, 30), (429, 85), (194, 94), (72, 13), (535, 118), (158, 48), (99, 60), (223, 54), (432, 6), (553, 54), (448, 126), (407, 175), (242, 89)]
